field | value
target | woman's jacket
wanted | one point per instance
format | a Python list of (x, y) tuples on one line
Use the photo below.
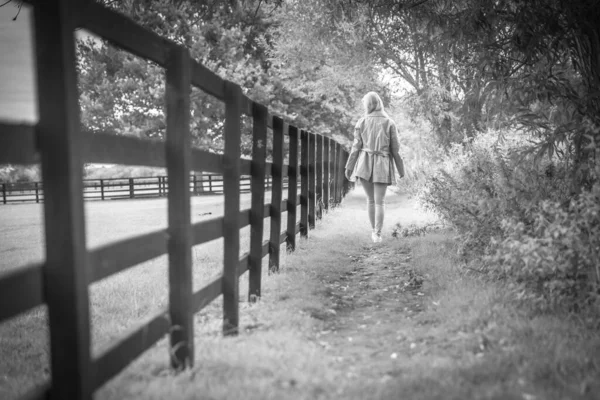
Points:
[(373, 149)]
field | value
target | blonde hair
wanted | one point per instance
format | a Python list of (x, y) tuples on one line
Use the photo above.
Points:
[(372, 102)]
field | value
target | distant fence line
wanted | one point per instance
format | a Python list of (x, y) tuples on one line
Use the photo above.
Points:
[(125, 188)]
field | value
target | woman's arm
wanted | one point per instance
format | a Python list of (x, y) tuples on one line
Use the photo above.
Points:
[(395, 149), (356, 146)]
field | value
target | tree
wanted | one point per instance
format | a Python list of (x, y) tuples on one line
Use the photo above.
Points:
[(238, 40), (472, 65), (320, 58)]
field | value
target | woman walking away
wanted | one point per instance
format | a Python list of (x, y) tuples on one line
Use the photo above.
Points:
[(375, 146)]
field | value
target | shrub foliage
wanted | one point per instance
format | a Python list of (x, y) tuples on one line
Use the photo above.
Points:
[(515, 214)]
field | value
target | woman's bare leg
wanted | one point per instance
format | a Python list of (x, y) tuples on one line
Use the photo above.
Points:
[(369, 191), (379, 190)]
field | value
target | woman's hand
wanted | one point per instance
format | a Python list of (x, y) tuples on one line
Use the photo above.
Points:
[(348, 174)]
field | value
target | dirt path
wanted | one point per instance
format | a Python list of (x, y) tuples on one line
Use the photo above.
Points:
[(369, 302), (375, 302)]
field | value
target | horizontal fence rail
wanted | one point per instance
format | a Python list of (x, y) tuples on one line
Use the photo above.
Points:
[(316, 166)]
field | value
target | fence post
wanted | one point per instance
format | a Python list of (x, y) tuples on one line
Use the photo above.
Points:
[(336, 167), (332, 170), (231, 223), (340, 172), (257, 187), (292, 189), (303, 183), (276, 194), (4, 193), (319, 180), (311, 180), (131, 189), (178, 160), (66, 269), (194, 188), (336, 171), (102, 189), (326, 173), (210, 184)]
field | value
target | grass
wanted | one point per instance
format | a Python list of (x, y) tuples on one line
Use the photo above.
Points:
[(481, 343), (336, 323), (116, 304)]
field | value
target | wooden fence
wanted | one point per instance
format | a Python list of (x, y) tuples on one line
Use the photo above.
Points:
[(62, 281), (125, 188)]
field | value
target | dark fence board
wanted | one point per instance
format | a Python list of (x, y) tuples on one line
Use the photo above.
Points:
[(292, 174), (326, 172), (60, 144), (259, 151), (245, 167), (207, 294), (243, 264), (206, 161), (304, 183), (116, 257), (339, 173), (121, 354), (334, 183), (20, 290), (178, 144), (231, 184), (332, 172), (17, 144), (208, 230), (105, 148), (282, 237), (207, 80), (319, 177), (244, 219), (276, 193), (123, 32), (311, 180)]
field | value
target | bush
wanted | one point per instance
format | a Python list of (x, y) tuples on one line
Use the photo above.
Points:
[(17, 173), (515, 213), (555, 260), (488, 180)]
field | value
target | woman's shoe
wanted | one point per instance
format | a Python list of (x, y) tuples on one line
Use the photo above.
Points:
[(376, 237)]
